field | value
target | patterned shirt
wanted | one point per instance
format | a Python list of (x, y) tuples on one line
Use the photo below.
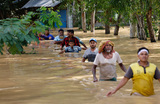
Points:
[(66, 41), (74, 49)]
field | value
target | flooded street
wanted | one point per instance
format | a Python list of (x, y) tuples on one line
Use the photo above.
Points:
[(51, 78)]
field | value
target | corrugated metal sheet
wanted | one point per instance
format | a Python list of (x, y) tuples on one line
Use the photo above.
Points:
[(40, 3)]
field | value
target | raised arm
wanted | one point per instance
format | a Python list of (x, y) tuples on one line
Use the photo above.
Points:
[(94, 73), (58, 42), (62, 44), (44, 37), (122, 67), (120, 85)]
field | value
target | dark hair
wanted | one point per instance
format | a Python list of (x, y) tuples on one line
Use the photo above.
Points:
[(71, 41), (142, 48), (60, 30), (71, 31)]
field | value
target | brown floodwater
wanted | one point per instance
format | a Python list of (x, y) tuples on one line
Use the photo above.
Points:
[(51, 78)]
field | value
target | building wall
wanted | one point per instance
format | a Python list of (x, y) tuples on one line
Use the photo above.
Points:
[(66, 19), (63, 18)]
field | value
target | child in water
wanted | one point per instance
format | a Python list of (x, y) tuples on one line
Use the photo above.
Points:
[(71, 48)]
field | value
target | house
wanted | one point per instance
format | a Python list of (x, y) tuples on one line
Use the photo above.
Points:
[(66, 18)]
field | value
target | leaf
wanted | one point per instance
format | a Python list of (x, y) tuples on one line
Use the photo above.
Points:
[(19, 47), (13, 49), (8, 37)]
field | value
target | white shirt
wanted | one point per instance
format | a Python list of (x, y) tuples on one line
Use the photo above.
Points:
[(107, 66)]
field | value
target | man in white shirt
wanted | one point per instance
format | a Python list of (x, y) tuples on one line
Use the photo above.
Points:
[(106, 59)]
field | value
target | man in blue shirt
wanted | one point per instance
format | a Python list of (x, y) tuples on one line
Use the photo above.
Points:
[(58, 39), (47, 36)]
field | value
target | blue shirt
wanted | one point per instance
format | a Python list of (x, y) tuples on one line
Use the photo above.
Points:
[(47, 37), (75, 49), (79, 40), (57, 38)]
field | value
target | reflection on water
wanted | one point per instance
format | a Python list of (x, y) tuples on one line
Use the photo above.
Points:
[(51, 78)]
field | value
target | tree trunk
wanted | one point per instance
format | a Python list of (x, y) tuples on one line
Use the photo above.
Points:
[(159, 34), (140, 18), (107, 24), (138, 31), (1, 15), (83, 15), (132, 26), (93, 21), (142, 34), (149, 24), (132, 30), (116, 30), (107, 29)]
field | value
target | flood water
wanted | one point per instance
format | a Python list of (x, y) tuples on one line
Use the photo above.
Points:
[(51, 78)]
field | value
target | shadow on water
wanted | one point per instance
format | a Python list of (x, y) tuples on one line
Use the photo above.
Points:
[(51, 78)]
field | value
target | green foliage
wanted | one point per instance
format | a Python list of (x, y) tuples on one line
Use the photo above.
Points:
[(106, 10), (11, 8), (17, 33), (49, 17)]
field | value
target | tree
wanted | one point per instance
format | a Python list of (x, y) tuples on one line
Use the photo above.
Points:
[(132, 26), (104, 5), (119, 8), (17, 33), (91, 11), (143, 10), (83, 15), (116, 30), (110, 8), (11, 8)]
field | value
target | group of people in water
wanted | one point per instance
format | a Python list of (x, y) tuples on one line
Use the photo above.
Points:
[(105, 57)]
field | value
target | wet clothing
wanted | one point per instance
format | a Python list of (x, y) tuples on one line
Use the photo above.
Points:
[(129, 73), (47, 37), (59, 38), (107, 66), (66, 41), (75, 49), (90, 55), (112, 79), (142, 78)]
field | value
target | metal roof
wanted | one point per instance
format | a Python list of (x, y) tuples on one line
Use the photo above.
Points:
[(40, 3)]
